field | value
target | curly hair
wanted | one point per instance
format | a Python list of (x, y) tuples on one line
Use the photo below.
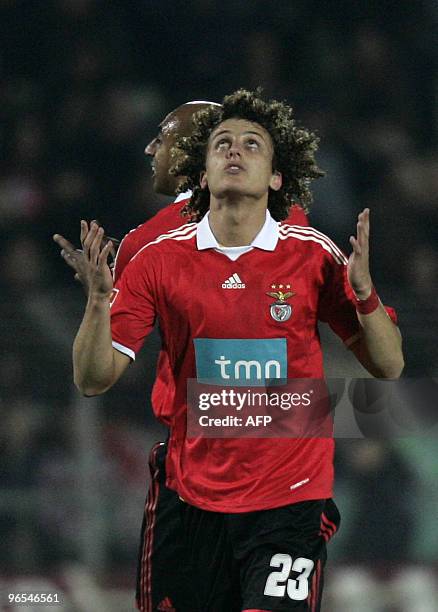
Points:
[(294, 151)]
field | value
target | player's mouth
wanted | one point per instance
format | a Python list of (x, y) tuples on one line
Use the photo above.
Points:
[(234, 168)]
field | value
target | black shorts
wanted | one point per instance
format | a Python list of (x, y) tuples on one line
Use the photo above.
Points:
[(269, 560), (163, 577)]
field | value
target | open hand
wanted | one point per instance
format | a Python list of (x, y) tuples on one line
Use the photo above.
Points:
[(75, 257), (91, 263), (358, 263)]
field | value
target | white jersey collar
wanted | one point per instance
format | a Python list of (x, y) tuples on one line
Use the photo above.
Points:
[(183, 196), (266, 239)]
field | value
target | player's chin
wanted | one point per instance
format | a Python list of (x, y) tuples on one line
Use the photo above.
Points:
[(231, 189), (160, 185)]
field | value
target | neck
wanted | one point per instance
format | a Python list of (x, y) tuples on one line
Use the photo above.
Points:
[(237, 222)]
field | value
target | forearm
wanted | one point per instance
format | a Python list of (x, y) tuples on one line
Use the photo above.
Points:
[(380, 344), (93, 354), (379, 347)]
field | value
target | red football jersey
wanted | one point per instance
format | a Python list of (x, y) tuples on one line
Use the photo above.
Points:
[(169, 218), (209, 298)]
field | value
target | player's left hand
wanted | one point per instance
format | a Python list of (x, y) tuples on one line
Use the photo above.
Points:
[(358, 263)]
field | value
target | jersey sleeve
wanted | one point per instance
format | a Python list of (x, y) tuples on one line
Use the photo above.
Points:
[(133, 308), (337, 305)]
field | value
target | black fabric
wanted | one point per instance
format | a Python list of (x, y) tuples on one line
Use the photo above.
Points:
[(241, 561), (163, 576), (192, 560)]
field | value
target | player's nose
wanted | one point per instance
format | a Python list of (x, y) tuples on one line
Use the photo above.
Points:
[(151, 148), (234, 150)]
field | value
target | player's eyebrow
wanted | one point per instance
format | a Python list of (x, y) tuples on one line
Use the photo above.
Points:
[(213, 136), (221, 132)]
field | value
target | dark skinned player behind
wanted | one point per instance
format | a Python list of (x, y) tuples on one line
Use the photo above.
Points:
[(162, 577)]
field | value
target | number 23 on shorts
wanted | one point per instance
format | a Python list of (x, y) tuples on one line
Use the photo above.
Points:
[(279, 582)]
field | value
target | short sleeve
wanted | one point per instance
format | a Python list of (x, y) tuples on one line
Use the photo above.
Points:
[(133, 306), (337, 304)]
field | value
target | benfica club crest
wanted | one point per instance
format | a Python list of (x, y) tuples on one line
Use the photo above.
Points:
[(280, 310)]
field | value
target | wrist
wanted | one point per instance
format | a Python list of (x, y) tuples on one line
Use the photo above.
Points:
[(366, 304), (364, 292), (99, 298)]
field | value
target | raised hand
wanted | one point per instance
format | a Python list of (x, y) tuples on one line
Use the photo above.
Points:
[(91, 263), (358, 263), (95, 257), (75, 257)]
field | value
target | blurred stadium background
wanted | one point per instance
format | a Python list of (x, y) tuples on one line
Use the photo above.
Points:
[(83, 85)]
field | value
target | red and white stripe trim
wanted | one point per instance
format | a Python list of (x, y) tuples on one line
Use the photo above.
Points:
[(185, 232), (309, 233)]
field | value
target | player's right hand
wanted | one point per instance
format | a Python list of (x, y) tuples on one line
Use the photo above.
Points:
[(95, 259), (74, 258), (77, 259)]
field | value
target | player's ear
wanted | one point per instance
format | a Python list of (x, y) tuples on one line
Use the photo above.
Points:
[(276, 181), (203, 179)]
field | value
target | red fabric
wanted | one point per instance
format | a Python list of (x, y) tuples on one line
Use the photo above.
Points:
[(169, 218), (392, 314), (369, 305), (169, 280)]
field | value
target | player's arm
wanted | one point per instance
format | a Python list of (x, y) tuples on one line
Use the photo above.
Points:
[(379, 346), (96, 364)]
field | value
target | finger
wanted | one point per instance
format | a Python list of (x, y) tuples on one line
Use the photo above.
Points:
[(69, 260), (115, 241), (362, 235), (356, 246), (75, 259), (89, 238), (84, 230), (364, 220), (96, 246), (63, 243), (104, 253), (367, 221)]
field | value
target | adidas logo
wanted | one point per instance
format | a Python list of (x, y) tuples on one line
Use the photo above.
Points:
[(234, 282)]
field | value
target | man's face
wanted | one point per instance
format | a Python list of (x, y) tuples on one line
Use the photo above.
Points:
[(239, 161), (159, 149)]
